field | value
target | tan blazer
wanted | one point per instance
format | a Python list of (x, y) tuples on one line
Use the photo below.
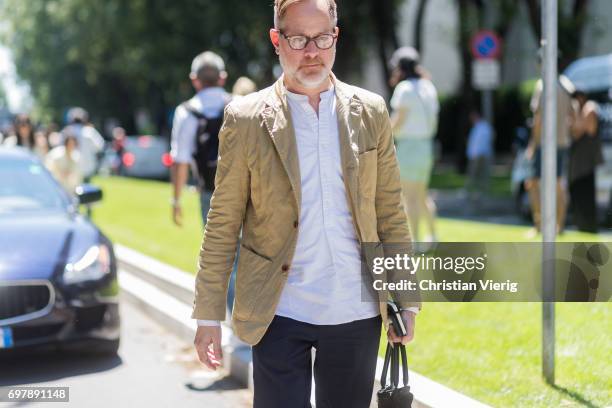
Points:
[(258, 189)]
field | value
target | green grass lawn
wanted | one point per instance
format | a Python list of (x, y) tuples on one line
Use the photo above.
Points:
[(489, 351), (137, 214), (492, 352)]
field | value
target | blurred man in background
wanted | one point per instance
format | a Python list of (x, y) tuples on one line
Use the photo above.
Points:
[(479, 152), (195, 131)]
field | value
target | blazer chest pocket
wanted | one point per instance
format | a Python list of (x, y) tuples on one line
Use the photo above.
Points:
[(368, 173)]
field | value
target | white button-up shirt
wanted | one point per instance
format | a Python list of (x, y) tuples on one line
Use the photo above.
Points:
[(324, 283)]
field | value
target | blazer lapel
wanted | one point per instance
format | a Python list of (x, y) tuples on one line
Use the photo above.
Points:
[(349, 111), (277, 120)]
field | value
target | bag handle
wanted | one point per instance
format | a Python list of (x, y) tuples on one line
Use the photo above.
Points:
[(395, 365), (383, 376), (402, 348), (392, 357)]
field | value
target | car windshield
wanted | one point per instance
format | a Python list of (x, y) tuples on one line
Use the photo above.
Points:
[(25, 186)]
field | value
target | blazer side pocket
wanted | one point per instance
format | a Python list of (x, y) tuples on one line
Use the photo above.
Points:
[(252, 274)]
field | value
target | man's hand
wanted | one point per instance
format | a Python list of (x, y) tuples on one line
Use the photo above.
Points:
[(208, 346), (408, 317), (177, 214)]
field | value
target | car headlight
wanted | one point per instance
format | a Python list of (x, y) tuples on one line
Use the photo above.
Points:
[(94, 265)]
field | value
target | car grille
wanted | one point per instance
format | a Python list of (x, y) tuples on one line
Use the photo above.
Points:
[(24, 300)]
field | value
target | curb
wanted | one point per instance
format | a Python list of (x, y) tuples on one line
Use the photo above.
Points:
[(165, 294)]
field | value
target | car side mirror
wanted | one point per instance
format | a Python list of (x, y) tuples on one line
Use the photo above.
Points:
[(88, 193)]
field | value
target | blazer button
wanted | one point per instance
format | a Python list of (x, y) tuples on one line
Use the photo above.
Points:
[(295, 224), (285, 268)]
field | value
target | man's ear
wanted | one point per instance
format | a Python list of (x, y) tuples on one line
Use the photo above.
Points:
[(222, 78), (337, 31), (195, 82), (274, 37)]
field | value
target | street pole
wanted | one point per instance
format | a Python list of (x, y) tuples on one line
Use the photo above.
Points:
[(549, 181)]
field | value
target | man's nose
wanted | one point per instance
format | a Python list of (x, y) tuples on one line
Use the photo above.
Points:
[(311, 49)]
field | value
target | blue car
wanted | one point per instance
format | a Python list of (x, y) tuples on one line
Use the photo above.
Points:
[(58, 273)]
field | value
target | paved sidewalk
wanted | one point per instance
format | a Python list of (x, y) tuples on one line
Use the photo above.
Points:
[(154, 368)]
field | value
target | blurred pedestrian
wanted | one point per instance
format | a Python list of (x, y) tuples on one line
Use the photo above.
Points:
[(195, 132), (23, 133), (414, 121), (307, 168), (89, 141), (119, 138), (64, 163), (242, 87), (479, 152), (195, 139), (585, 155), (41, 144), (54, 136), (565, 115)]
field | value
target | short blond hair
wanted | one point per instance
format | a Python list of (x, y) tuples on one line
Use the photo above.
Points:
[(243, 86), (281, 6)]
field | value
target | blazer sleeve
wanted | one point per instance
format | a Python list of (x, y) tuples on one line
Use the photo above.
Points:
[(227, 209)]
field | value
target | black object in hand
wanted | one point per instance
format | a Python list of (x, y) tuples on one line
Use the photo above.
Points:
[(396, 319)]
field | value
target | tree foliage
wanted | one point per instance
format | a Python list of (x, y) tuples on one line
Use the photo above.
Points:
[(572, 17), (116, 56)]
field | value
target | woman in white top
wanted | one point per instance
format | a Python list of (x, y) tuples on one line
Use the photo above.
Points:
[(64, 163), (414, 121)]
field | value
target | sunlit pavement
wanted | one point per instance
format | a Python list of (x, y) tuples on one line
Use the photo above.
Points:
[(153, 369)]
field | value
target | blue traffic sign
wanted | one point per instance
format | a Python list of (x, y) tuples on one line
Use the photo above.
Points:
[(486, 45)]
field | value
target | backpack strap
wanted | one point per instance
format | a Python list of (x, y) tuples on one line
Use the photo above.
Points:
[(189, 108), (199, 115)]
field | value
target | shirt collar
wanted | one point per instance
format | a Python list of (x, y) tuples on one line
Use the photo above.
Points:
[(326, 96)]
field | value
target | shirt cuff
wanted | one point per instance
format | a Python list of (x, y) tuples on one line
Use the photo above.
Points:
[(412, 309), (208, 322)]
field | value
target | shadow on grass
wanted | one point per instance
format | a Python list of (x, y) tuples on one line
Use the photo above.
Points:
[(576, 396)]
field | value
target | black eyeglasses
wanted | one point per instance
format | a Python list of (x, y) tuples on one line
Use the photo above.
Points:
[(299, 42)]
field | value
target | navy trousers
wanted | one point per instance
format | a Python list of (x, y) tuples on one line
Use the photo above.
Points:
[(344, 366)]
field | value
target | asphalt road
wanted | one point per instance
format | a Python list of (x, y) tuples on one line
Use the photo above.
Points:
[(153, 369)]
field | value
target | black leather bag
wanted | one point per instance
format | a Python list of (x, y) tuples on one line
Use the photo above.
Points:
[(393, 395)]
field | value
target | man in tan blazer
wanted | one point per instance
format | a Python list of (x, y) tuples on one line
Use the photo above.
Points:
[(307, 169)]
